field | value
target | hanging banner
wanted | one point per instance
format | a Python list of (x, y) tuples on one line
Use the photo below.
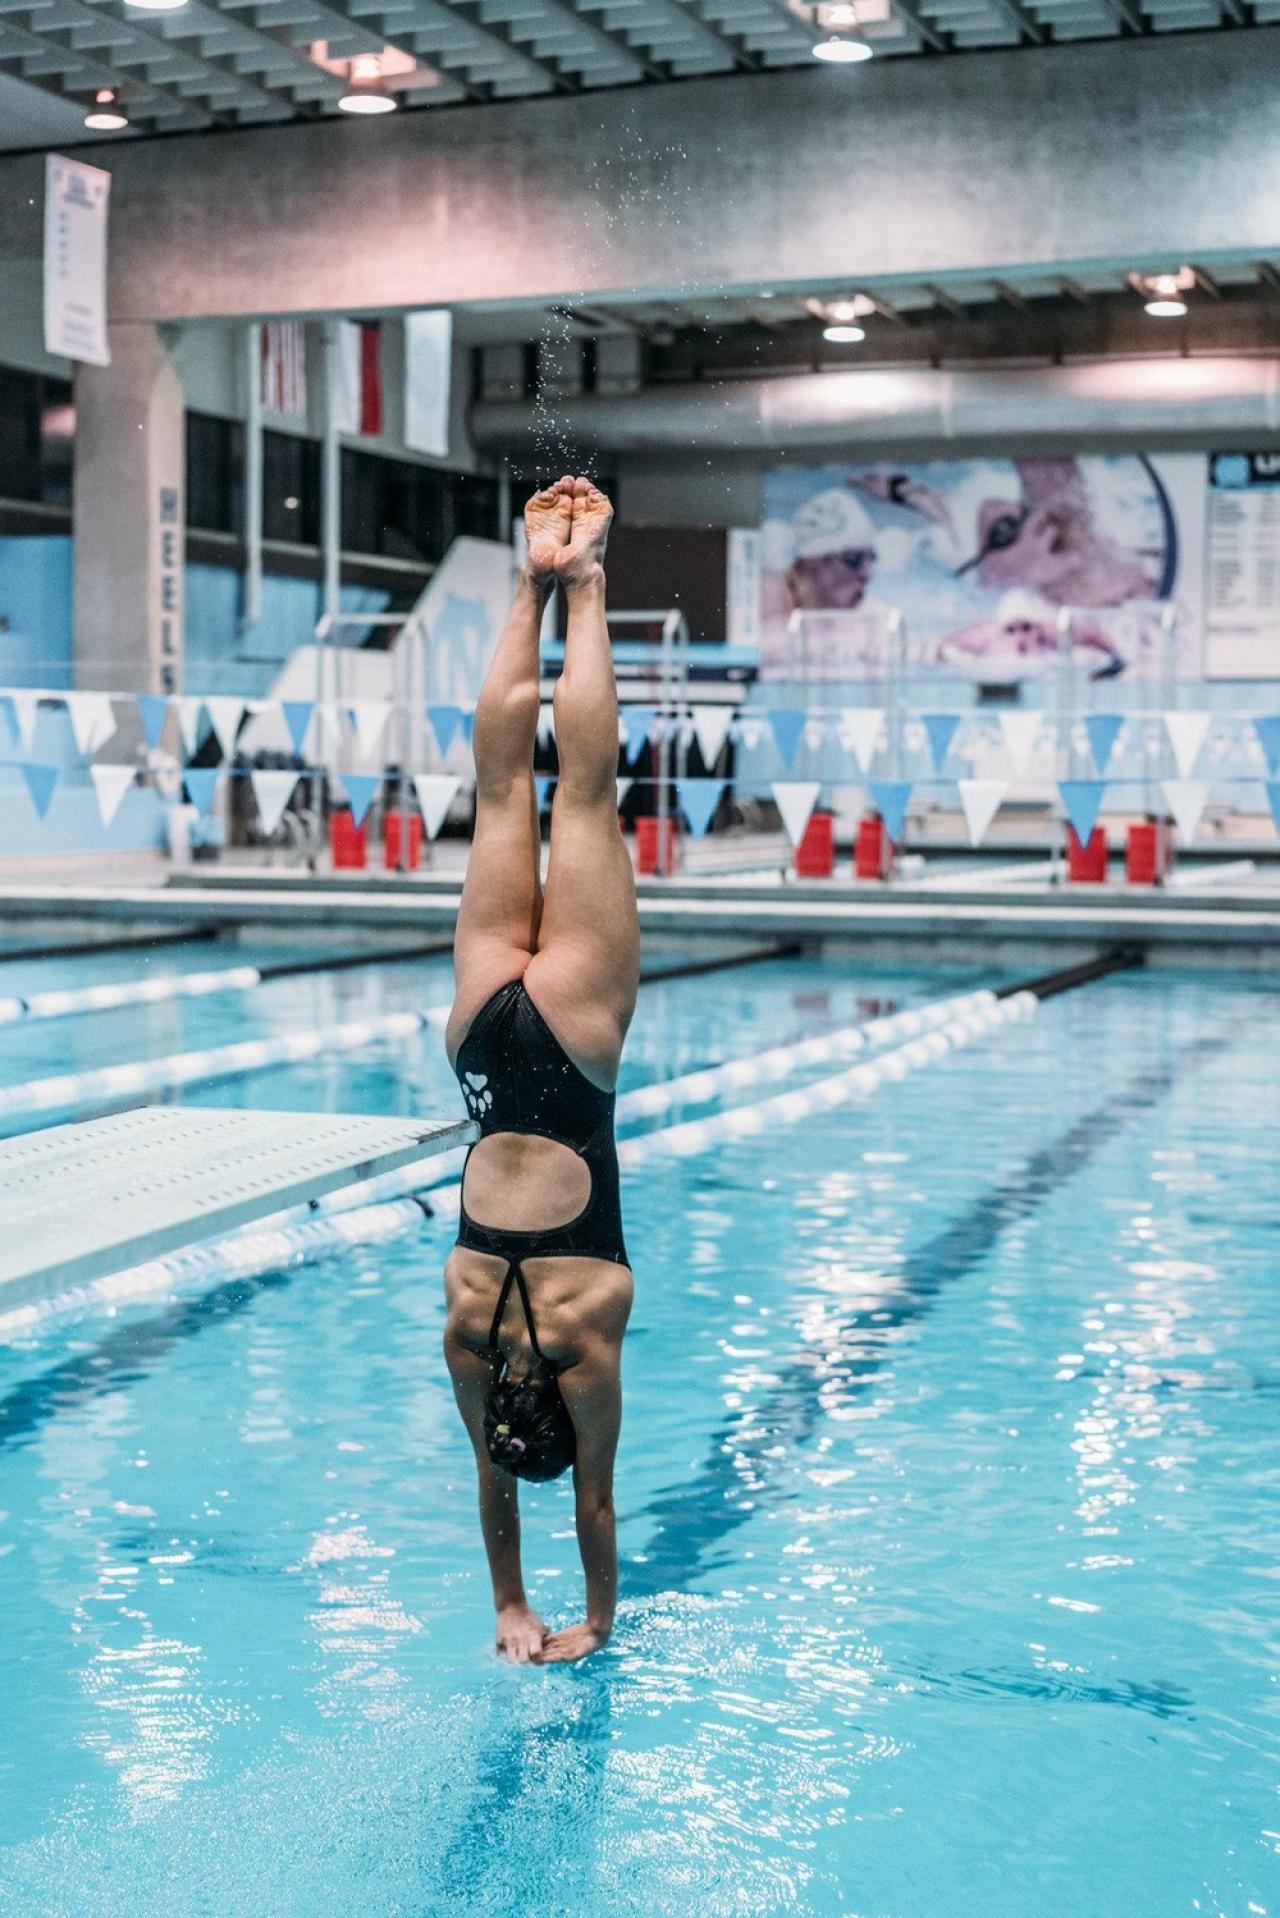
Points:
[(189, 721), (542, 786), (711, 729), (446, 724), (110, 784), (890, 798), (436, 793), (1082, 802), (41, 782), (225, 714), (428, 362), (981, 800), (698, 799), (93, 720), (296, 714), (1267, 732), (795, 800), (1187, 733), (859, 730), (623, 788), (153, 710), (637, 724), (202, 786), (1273, 800), (787, 724), (749, 731), (75, 260), (360, 789), (369, 719), (1186, 800), (271, 793), (26, 707), (284, 368), (940, 730), (1102, 731), (1021, 734)]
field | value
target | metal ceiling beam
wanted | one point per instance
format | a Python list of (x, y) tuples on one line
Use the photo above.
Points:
[(716, 39), (610, 39), (944, 300), (1073, 289), (931, 36), (164, 43), (187, 26), (1017, 16)]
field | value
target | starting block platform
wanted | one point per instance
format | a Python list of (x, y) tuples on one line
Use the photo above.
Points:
[(82, 1201)]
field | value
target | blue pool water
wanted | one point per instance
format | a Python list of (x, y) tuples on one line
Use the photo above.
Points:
[(946, 1503)]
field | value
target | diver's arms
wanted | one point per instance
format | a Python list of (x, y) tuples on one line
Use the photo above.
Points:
[(592, 1390), (520, 1632)]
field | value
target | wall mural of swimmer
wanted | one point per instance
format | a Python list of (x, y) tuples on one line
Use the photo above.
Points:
[(980, 556)]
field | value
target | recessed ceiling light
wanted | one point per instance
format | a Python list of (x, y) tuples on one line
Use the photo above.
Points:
[(1167, 309), (157, 6), (365, 90), (844, 335), (1164, 293), (840, 51), (105, 115)]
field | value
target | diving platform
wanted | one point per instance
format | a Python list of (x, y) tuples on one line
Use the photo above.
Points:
[(81, 1202)]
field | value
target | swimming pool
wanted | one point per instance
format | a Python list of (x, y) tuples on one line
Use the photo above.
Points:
[(946, 1583)]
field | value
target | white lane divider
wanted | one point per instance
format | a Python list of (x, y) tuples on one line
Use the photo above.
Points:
[(128, 992), (103, 1085), (823, 1095)]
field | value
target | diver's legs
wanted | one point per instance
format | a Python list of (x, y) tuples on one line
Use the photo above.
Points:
[(501, 907), (586, 968)]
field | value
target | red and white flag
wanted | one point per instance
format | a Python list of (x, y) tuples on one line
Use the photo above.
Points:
[(284, 367), (357, 375)]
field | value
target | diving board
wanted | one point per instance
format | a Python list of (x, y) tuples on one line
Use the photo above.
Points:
[(82, 1201)]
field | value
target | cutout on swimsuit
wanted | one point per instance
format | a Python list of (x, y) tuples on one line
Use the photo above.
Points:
[(537, 1184)]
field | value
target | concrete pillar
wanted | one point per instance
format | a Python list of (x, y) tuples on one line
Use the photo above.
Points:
[(129, 517)]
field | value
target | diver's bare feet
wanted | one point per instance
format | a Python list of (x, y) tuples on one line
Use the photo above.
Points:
[(547, 520), (521, 1635), (581, 562)]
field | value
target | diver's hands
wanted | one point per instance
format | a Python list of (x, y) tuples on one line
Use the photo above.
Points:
[(567, 1647), (521, 1635)]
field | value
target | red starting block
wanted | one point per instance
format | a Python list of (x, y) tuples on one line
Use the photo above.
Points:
[(647, 854), (346, 841), (815, 856), (873, 849), (1149, 852)]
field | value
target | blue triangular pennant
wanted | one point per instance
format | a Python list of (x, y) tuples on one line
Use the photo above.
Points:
[(360, 788), (698, 800), (41, 783), (1082, 802), (153, 710), (297, 717), (788, 724), (1267, 729), (467, 721), (202, 783), (1273, 800), (446, 724), (890, 798), (941, 730), (1103, 730), (542, 786), (638, 724)]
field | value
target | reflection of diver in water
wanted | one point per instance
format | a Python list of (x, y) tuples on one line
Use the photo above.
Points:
[(1024, 635), (1048, 540)]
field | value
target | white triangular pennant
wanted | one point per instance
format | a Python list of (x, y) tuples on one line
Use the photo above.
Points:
[(981, 801), (225, 714), (815, 731), (110, 783), (546, 724), (189, 721), (624, 787), (25, 707), (435, 796), (750, 732), (795, 800), (369, 718), (1186, 735), (1020, 732), (1186, 800), (92, 720), (859, 730), (271, 793), (710, 729)]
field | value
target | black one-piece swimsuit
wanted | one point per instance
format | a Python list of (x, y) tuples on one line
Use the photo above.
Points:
[(516, 1077)]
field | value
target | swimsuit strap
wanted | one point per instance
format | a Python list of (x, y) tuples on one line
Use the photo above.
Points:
[(514, 1271)]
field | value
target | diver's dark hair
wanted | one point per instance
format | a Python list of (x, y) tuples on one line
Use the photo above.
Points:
[(528, 1432)]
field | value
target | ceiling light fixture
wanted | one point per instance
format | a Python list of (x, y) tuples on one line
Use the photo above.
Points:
[(840, 25), (844, 333), (105, 116), (366, 92), (841, 52), (1162, 293), (157, 6)]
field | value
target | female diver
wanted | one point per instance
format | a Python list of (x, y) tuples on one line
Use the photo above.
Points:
[(538, 1288)]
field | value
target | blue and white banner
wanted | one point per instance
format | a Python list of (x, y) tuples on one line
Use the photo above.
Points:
[(75, 260)]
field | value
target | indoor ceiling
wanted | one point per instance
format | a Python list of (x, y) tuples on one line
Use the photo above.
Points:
[(219, 63)]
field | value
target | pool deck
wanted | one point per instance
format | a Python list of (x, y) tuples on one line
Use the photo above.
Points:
[(940, 911)]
